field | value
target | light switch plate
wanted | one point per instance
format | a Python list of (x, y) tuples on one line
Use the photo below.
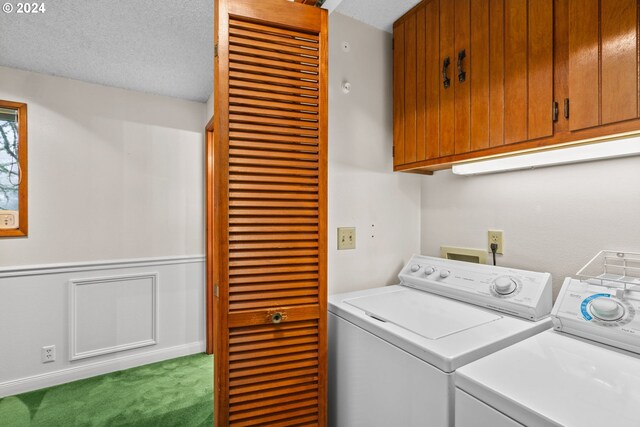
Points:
[(346, 238), (9, 220)]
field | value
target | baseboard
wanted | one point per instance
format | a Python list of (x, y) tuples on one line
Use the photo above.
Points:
[(35, 382)]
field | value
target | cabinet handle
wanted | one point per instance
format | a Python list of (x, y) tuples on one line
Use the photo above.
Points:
[(566, 108), (446, 81), (462, 76)]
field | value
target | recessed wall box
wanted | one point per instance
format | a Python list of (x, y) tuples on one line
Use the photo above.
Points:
[(477, 256)]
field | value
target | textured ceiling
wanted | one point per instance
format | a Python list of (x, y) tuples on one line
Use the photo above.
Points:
[(156, 46), (377, 13)]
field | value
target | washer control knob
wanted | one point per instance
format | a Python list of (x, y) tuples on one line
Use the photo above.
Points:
[(606, 309), (429, 270), (415, 267), (445, 273), (504, 285)]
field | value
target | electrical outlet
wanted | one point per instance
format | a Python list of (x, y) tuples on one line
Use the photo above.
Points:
[(495, 236), (9, 220), (346, 238), (48, 353)]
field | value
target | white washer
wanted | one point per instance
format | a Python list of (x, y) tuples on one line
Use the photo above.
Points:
[(393, 350), (560, 378)]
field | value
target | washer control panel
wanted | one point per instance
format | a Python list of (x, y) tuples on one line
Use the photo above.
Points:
[(601, 312), (518, 292)]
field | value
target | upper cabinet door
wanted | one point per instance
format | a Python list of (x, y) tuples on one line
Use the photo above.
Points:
[(504, 81), (417, 87), (527, 63), (603, 62), (503, 72)]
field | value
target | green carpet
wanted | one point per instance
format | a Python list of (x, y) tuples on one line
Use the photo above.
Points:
[(177, 392)]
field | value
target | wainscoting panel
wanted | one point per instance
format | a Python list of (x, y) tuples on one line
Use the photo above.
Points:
[(101, 316), (112, 314)]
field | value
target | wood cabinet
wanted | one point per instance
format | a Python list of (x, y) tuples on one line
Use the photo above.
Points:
[(480, 78), (471, 74), (603, 62)]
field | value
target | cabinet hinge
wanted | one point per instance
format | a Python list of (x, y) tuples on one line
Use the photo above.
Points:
[(216, 290), (554, 111), (215, 50), (393, 151), (566, 108)]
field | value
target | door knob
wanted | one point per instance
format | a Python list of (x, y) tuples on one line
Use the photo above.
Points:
[(276, 317)]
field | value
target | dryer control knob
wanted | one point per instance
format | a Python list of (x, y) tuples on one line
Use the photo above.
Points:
[(504, 285), (606, 309), (445, 273), (429, 270), (415, 267)]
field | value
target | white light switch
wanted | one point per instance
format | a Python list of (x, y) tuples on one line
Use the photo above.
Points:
[(346, 238), (9, 220)]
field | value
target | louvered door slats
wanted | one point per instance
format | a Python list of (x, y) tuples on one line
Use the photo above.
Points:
[(276, 401), (287, 406), (273, 142), (256, 119), (274, 42), (275, 187), (258, 82), (257, 296), (257, 397), (273, 418), (274, 261), (242, 38), (267, 79), (259, 112), (278, 34), (263, 287)]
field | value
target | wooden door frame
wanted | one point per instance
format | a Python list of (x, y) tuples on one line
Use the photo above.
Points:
[(209, 234)]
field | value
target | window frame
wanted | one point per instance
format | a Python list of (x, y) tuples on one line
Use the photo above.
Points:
[(23, 229)]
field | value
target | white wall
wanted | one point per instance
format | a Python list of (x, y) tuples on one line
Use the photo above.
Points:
[(364, 192), (554, 219), (112, 173), (115, 188)]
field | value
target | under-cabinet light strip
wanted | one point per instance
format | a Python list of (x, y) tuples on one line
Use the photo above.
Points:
[(609, 149)]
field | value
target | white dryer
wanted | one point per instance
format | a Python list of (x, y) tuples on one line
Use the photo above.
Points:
[(584, 373), (393, 350)]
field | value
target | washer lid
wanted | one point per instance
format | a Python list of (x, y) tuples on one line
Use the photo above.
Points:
[(421, 313), (555, 379)]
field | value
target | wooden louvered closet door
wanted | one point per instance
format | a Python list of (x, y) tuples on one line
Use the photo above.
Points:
[(270, 196)]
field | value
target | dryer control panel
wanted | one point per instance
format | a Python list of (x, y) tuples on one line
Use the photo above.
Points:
[(601, 311), (521, 293)]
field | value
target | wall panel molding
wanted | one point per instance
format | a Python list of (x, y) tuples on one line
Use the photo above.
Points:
[(126, 320), (41, 269)]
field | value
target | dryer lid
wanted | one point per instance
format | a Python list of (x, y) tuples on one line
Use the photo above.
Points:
[(424, 314)]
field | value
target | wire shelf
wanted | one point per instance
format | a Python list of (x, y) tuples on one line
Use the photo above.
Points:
[(613, 269)]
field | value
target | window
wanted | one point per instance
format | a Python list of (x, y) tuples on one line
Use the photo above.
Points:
[(13, 169)]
